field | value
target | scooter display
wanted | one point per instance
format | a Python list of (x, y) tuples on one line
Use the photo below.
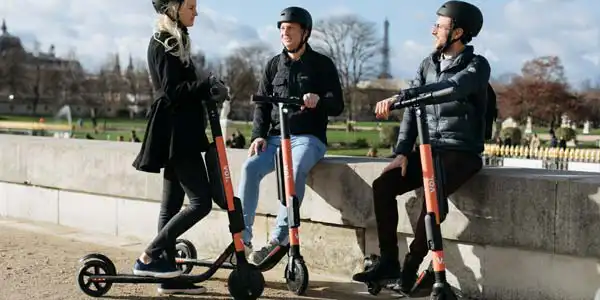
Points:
[(296, 272), (245, 282), (434, 198)]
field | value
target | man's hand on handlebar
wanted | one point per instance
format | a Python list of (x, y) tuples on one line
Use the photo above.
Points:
[(382, 108), (310, 100), (259, 144)]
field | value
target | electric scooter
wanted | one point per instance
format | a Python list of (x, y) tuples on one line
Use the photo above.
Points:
[(296, 272), (245, 282), (432, 176)]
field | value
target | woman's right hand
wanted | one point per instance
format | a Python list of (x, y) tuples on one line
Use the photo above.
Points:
[(218, 90), (259, 144)]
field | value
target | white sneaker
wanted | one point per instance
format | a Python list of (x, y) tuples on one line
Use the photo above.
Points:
[(258, 256)]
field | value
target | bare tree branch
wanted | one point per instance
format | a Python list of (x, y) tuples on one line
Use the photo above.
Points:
[(354, 46)]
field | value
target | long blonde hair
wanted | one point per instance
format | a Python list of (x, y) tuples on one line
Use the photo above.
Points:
[(182, 43)]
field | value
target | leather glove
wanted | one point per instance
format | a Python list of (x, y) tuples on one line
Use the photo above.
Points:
[(219, 92)]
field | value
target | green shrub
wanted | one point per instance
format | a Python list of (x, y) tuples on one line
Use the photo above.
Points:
[(565, 133), (514, 133), (388, 135), (361, 143)]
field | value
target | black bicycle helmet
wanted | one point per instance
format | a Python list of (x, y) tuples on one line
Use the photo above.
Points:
[(161, 5), (298, 15), (464, 15), (294, 14)]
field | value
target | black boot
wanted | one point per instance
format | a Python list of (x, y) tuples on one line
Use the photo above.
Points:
[(410, 267), (382, 269)]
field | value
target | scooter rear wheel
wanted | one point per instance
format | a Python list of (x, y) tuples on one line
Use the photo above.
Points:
[(246, 283), (185, 249), (299, 284), (94, 267)]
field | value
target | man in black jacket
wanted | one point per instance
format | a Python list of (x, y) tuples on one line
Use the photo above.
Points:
[(297, 71), (456, 129)]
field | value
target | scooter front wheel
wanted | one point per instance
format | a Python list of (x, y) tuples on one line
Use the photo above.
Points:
[(92, 287), (246, 283), (299, 283), (185, 249)]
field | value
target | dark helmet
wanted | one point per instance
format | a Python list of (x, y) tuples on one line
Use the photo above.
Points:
[(161, 5), (464, 15), (298, 15)]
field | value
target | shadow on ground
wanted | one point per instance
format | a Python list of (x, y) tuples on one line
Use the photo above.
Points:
[(317, 290)]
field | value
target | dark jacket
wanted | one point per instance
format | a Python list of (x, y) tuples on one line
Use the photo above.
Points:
[(312, 73), (458, 122), (176, 120)]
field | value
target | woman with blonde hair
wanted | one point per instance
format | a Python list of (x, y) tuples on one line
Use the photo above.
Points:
[(174, 140)]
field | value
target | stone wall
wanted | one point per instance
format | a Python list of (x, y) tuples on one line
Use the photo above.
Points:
[(511, 233)]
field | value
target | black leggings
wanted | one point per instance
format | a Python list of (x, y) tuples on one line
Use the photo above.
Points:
[(457, 167), (180, 178)]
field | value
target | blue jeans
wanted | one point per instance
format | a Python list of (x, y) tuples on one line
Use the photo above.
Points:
[(307, 150)]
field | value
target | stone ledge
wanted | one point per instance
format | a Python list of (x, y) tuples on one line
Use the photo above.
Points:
[(551, 211), (480, 271)]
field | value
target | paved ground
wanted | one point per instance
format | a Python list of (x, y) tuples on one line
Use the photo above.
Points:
[(41, 262)]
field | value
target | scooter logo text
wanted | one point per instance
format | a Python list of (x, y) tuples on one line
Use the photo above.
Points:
[(431, 185), (226, 174)]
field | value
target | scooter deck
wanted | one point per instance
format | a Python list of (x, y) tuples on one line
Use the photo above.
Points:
[(132, 278), (271, 261)]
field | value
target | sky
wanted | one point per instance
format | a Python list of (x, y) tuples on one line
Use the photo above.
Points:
[(514, 31)]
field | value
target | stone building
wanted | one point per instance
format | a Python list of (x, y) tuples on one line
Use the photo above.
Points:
[(41, 83)]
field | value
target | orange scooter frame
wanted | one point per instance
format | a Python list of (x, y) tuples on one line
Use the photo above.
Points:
[(245, 282), (433, 199), (296, 272)]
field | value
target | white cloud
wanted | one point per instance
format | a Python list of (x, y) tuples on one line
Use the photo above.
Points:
[(340, 10), (96, 28), (528, 29), (522, 30)]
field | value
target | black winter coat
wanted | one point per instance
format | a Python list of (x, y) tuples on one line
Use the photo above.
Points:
[(176, 128)]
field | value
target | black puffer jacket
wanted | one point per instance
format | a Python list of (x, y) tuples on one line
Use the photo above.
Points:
[(458, 122)]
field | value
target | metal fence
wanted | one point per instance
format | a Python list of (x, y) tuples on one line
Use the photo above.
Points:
[(542, 157)]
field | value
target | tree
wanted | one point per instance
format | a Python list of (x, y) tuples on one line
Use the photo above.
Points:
[(199, 61), (72, 79), (353, 45), (589, 104), (242, 70), (540, 92), (544, 69), (13, 73)]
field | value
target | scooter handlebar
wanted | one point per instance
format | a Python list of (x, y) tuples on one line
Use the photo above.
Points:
[(276, 100), (422, 99)]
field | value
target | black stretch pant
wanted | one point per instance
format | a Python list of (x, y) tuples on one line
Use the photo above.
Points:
[(180, 178), (458, 167)]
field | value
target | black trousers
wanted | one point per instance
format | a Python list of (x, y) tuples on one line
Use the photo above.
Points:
[(180, 178), (458, 167)]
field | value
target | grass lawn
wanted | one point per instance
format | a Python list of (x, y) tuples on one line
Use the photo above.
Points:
[(111, 129)]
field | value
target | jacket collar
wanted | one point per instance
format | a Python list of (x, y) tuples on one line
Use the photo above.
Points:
[(308, 52), (466, 54)]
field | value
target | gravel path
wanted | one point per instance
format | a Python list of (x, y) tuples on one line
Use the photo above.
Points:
[(36, 265)]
